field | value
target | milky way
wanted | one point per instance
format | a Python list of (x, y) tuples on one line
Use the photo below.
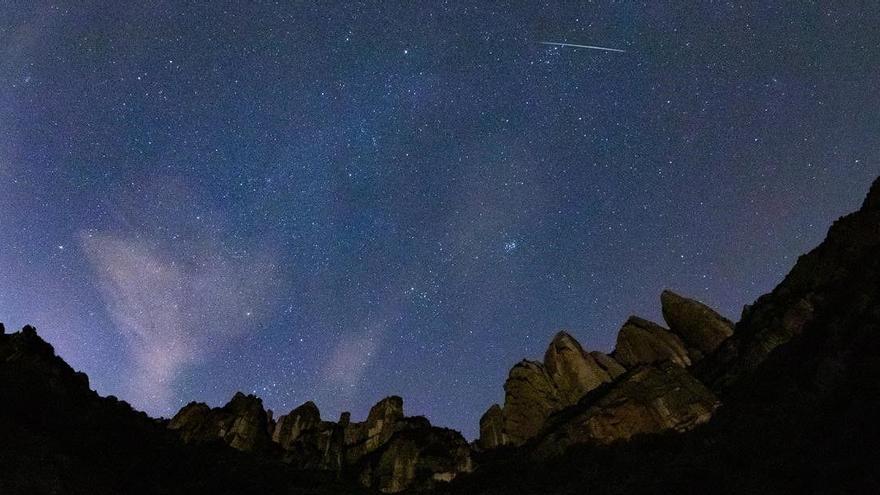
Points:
[(342, 202)]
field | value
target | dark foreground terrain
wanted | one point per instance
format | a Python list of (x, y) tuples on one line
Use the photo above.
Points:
[(787, 400)]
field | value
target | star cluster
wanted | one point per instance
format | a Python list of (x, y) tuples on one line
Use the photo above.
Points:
[(342, 201)]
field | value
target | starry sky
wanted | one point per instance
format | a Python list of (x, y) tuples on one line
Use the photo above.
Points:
[(343, 201)]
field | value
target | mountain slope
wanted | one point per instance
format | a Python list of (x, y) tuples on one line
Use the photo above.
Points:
[(800, 384)]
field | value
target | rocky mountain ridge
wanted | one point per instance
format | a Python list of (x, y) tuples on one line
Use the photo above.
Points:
[(780, 402), (644, 389), (535, 391), (388, 451)]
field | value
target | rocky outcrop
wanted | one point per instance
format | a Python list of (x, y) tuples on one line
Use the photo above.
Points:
[(701, 329), (644, 342), (401, 462), (492, 429), (382, 422), (530, 397), (243, 424), (573, 371), (607, 363), (534, 391), (289, 427), (648, 399)]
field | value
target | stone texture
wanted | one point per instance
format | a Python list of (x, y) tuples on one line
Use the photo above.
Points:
[(320, 447), (644, 342), (289, 427), (612, 367), (701, 329), (381, 423), (530, 397), (492, 428), (648, 399), (397, 465), (573, 371)]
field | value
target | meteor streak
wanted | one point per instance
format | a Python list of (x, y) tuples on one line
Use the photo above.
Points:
[(582, 46)]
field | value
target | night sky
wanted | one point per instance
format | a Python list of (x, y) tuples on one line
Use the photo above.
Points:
[(338, 203)]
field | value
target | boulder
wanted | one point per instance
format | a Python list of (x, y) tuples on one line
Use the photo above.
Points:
[(644, 342), (701, 329)]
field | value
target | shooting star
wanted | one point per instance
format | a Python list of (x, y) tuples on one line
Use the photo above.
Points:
[(582, 46)]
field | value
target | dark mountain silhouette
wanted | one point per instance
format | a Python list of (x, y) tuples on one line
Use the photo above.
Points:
[(784, 401)]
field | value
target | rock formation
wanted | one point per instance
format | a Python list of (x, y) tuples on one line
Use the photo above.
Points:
[(289, 427), (388, 451), (529, 398), (573, 371), (648, 399), (644, 342), (662, 398), (535, 390), (401, 463), (701, 329), (492, 429), (382, 422), (242, 423)]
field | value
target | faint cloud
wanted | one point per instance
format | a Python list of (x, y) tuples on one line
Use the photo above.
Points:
[(175, 303), (351, 357)]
